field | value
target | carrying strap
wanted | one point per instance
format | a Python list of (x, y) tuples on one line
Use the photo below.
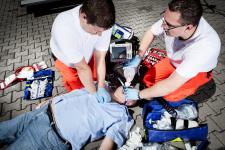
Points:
[(167, 107)]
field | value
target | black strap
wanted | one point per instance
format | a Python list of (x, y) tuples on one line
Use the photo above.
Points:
[(53, 56), (209, 74), (173, 122), (167, 106), (186, 122)]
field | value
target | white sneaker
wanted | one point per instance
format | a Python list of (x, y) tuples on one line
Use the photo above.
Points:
[(134, 140)]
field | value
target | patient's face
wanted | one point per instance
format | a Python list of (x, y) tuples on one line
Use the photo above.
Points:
[(120, 97)]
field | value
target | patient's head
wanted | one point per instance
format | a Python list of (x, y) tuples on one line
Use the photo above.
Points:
[(119, 97)]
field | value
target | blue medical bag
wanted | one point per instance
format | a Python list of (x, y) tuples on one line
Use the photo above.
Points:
[(152, 112), (40, 86)]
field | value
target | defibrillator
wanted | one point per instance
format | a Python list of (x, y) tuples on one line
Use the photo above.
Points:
[(120, 51)]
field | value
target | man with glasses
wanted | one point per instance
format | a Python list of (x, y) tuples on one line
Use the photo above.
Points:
[(79, 42), (192, 47)]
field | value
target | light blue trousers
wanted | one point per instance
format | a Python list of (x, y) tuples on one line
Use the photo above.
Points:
[(30, 131)]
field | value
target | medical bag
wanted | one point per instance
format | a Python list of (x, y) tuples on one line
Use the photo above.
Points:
[(40, 86), (152, 112)]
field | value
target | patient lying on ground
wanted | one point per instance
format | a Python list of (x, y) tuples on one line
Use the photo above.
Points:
[(70, 120)]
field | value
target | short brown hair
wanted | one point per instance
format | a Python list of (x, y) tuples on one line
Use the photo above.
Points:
[(99, 12), (190, 10)]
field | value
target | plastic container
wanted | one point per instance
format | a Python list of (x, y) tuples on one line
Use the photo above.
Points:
[(129, 74)]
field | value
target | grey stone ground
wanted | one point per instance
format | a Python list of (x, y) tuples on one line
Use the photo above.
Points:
[(24, 40)]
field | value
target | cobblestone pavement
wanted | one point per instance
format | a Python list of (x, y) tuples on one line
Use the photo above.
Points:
[(24, 40)]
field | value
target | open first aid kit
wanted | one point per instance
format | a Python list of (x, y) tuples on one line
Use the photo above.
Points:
[(21, 74), (172, 121), (40, 86)]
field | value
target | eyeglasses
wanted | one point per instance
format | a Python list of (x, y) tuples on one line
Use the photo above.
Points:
[(170, 26)]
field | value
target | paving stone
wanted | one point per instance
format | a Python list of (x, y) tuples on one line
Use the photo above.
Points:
[(34, 106), (2, 76), (216, 143), (14, 61), (61, 90), (212, 125), (219, 68), (5, 116), (48, 60), (15, 41), (221, 89), (217, 105), (205, 111), (45, 54), (6, 98), (40, 44), (219, 119), (23, 63), (54, 92), (28, 47), (31, 40), (25, 103), (58, 82), (35, 50), (7, 56), (14, 51), (221, 136), (17, 95), (22, 53), (16, 87), (11, 106), (57, 75), (24, 43), (8, 73), (33, 61), (220, 78), (30, 57)]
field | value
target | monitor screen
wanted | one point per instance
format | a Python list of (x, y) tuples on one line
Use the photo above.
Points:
[(119, 53)]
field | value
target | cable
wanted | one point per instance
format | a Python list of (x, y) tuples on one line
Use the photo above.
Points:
[(212, 8)]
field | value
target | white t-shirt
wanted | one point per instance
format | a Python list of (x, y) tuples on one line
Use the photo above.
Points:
[(70, 42), (197, 54)]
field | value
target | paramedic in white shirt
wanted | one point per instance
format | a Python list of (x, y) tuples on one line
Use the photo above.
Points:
[(79, 42), (192, 47)]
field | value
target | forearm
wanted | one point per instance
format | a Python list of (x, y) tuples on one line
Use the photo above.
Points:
[(145, 42), (107, 144), (158, 90), (101, 67), (101, 72), (85, 75)]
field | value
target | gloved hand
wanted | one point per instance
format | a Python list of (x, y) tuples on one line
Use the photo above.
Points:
[(131, 94), (102, 96), (134, 62)]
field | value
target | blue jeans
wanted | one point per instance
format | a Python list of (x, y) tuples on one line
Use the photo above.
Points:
[(30, 131)]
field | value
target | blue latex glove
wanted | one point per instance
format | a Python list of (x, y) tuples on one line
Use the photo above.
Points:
[(131, 94), (102, 96), (134, 62)]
